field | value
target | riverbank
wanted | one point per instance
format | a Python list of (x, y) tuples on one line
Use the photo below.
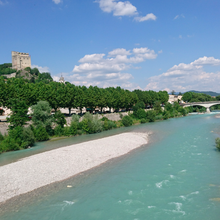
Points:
[(42, 169)]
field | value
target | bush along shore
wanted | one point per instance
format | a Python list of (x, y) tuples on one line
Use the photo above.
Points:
[(43, 125)]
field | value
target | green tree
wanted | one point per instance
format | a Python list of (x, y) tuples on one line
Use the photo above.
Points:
[(166, 115), (157, 107), (59, 131), (41, 114), (127, 121), (151, 115), (173, 92), (41, 134), (70, 96), (59, 118), (80, 98), (19, 116), (140, 113), (28, 138), (163, 96)]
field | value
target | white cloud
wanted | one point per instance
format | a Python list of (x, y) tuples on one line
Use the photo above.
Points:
[(179, 16), (207, 61), (160, 51), (184, 77), (150, 16), (56, 1), (180, 36), (104, 71), (119, 51), (119, 8), (41, 69), (92, 58)]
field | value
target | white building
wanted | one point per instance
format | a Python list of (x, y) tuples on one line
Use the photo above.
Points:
[(175, 98)]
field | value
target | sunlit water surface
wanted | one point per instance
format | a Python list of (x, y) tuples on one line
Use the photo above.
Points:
[(175, 176)]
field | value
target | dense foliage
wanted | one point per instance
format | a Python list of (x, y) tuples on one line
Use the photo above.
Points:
[(196, 97), (127, 121), (67, 95), (6, 69)]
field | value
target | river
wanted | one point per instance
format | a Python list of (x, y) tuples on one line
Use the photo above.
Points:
[(175, 176)]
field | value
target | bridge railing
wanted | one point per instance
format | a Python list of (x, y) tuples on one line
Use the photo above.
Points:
[(207, 102)]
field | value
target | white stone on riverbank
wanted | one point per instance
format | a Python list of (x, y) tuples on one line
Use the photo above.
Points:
[(45, 168)]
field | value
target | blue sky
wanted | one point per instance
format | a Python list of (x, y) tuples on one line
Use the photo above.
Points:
[(135, 44)]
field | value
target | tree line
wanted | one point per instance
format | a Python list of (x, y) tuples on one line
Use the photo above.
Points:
[(198, 97), (60, 95)]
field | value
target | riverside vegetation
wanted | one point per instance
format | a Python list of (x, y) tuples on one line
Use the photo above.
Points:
[(42, 94), (45, 125)]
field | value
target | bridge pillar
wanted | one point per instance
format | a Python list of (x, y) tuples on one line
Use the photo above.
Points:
[(207, 110)]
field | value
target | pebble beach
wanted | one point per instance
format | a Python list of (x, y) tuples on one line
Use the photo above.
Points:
[(49, 167)]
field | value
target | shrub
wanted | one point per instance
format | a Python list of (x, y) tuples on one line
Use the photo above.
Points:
[(91, 124), (176, 106), (104, 119), (143, 120), (1, 137), (121, 115), (50, 130), (166, 115), (168, 107), (41, 134), (66, 131), (109, 125), (17, 135), (41, 115), (59, 118), (217, 143), (171, 114), (182, 111), (73, 128), (28, 137), (127, 121), (88, 116), (151, 115), (79, 132), (95, 125), (75, 118), (9, 144), (159, 117), (59, 130), (140, 113), (85, 125), (18, 138)]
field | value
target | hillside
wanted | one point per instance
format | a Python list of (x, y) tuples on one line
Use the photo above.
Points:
[(206, 92)]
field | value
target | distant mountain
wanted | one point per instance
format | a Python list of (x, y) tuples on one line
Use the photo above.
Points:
[(206, 92)]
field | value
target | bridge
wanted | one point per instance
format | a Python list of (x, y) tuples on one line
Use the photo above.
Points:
[(207, 105)]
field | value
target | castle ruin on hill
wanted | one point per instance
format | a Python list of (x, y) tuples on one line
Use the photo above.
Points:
[(20, 60)]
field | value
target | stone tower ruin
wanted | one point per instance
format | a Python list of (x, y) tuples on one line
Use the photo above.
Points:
[(20, 60)]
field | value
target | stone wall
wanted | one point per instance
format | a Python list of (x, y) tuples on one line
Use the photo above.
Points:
[(20, 60)]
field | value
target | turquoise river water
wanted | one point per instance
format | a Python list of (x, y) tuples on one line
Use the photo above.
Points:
[(175, 176)]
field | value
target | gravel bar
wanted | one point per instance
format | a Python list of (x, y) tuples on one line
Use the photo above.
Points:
[(45, 168)]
